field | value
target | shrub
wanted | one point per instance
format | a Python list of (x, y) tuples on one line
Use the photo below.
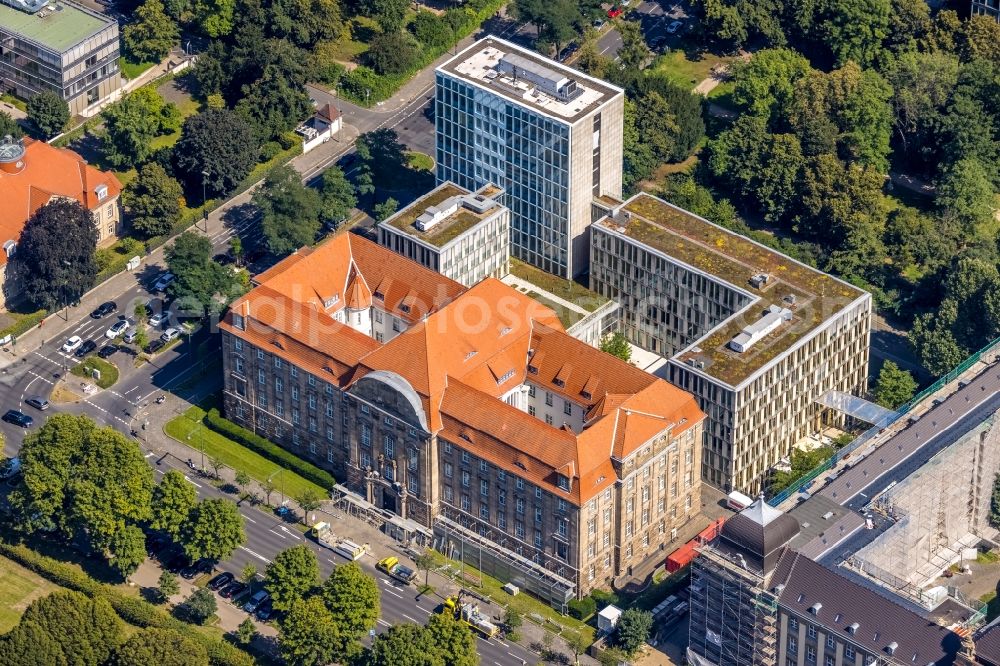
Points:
[(269, 151), (286, 140), (604, 598), (581, 609), (269, 450)]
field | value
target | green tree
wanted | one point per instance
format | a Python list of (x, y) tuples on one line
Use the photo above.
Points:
[(855, 29), (86, 630), (403, 645), (48, 113), (57, 253), (965, 195), (655, 123), (385, 209), (765, 85), (200, 283), (909, 25), (292, 574), (128, 550), (200, 606), (275, 101), (131, 124), (353, 598), (616, 344), (246, 631), (30, 643), (578, 644), (219, 142), (153, 200), (167, 585), (173, 499), (388, 13), (309, 500), (268, 486), (392, 53), (981, 38), (337, 198), (309, 633), (430, 30), (9, 126), (895, 386), (922, 84), (289, 210), (151, 36), (452, 641), (305, 22), (214, 17), (426, 561), (249, 573), (935, 344), (633, 630), (242, 480), (214, 529), (163, 647), (633, 52)]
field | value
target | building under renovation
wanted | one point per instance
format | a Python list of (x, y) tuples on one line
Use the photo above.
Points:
[(935, 513)]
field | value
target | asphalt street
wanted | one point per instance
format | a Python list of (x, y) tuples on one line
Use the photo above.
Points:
[(653, 18)]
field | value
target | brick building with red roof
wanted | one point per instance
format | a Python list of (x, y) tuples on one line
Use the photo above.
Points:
[(469, 415), (32, 173)]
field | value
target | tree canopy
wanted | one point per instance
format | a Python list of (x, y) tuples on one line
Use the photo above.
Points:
[(213, 530), (218, 148), (173, 499), (57, 250), (201, 284), (152, 34), (289, 210), (895, 386), (48, 113), (309, 633), (291, 575), (131, 124), (163, 647), (353, 597), (153, 200)]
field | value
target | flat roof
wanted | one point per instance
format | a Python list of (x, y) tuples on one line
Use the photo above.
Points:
[(813, 296), (56, 29), (452, 226), (481, 64)]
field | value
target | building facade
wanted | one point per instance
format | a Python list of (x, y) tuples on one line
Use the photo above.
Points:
[(467, 411), (757, 602), (61, 47), (549, 135), (463, 235), (32, 173), (757, 337), (986, 8)]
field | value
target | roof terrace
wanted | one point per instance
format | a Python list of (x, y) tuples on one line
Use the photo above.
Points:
[(777, 282)]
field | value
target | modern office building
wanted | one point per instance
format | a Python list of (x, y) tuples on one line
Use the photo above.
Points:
[(58, 46), (549, 135), (764, 342), (466, 414), (32, 173), (461, 234), (986, 8), (757, 602)]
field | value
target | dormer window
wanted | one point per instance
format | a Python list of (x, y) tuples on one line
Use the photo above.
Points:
[(10, 248), (330, 302), (558, 382), (562, 482), (505, 330), (101, 191), (532, 370), (238, 322), (504, 377), (586, 395), (405, 308), (379, 295)]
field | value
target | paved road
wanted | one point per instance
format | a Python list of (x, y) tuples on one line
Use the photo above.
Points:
[(653, 18)]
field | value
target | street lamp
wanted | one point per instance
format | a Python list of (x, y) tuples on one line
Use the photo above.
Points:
[(204, 198), (65, 301), (368, 93)]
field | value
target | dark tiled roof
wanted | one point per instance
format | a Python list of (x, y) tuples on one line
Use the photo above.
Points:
[(760, 531), (988, 644), (880, 621)]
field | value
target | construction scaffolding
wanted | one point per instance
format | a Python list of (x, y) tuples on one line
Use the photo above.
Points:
[(734, 620)]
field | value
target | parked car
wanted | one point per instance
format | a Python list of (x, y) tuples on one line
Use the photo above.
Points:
[(170, 334), (87, 347), (163, 281), (154, 346), (256, 600), (265, 611), (18, 418), (104, 309), (107, 350), (674, 26), (158, 319), (598, 24), (657, 42), (38, 402), (220, 581), (72, 344), (189, 572), (232, 590), (117, 329), (615, 12), (10, 468), (130, 336)]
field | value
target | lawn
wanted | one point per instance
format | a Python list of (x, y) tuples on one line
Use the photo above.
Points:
[(568, 290), (18, 588), (188, 429), (109, 373), (419, 161), (676, 67), (132, 70)]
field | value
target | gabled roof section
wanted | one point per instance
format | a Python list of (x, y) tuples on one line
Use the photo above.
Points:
[(359, 297)]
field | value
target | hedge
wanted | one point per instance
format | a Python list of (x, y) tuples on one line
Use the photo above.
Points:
[(137, 612), (23, 324), (268, 449), (582, 609)]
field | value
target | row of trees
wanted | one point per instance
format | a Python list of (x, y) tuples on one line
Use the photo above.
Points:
[(93, 486), (68, 627)]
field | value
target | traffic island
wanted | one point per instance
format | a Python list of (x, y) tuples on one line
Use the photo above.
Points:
[(102, 373)]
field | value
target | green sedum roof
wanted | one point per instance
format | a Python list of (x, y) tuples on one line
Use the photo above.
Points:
[(56, 29)]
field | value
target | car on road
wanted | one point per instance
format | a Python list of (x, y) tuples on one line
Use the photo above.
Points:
[(615, 12), (233, 590), (674, 26), (256, 600), (170, 334), (265, 611), (104, 309), (72, 344), (220, 581), (189, 572), (38, 402), (154, 346), (107, 350), (87, 347), (117, 329), (163, 281), (18, 418)]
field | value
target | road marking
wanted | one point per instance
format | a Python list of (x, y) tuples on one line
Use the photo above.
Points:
[(196, 485), (515, 656), (257, 555), (279, 534), (246, 517), (384, 623), (148, 454), (409, 618), (395, 594), (498, 663), (290, 533)]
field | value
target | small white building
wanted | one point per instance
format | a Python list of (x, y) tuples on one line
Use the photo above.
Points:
[(321, 127), (608, 618)]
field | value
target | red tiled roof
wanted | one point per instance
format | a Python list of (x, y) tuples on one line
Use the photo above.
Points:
[(48, 171)]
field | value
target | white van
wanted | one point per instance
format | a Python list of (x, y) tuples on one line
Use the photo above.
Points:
[(737, 501)]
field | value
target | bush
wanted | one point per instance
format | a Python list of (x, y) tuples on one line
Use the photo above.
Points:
[(286, 140), (269, 450), (581, 609), (24, 324), (269, 151), (604, 598)]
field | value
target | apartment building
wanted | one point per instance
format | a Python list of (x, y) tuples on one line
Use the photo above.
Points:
[(549, 135), (461, 234), (32, 173), (58, 46), (756, 336), (467, 411), (986, 8), (756, 601)]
